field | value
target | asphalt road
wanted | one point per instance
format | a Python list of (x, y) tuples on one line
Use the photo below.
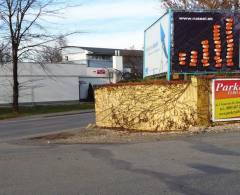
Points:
[(16, 128), (203, 165)]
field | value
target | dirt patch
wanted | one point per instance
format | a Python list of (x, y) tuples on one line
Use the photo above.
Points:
[(57, 136), (94, 135)]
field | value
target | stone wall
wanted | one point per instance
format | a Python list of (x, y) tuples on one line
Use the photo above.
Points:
[(162, 106)]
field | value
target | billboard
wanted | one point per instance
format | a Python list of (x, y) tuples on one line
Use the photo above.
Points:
[(226, 99), (156, 43), (205, 42)]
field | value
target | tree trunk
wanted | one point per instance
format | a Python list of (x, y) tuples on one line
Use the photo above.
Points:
[(236, 4), (15, 82)]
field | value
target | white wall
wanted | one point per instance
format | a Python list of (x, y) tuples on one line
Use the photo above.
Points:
[(41, 89), (5, 90), (74, 54), (29, 69), (55, 89), (54, 82)]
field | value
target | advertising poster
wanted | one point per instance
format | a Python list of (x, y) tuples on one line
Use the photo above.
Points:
[(205, 42), (226, 99), (156, 47)]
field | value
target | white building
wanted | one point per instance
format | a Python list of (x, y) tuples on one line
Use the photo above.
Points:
[(63, 82)]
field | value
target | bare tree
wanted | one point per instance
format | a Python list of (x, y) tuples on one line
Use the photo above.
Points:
[(22, 25), (201, 4), (5, 54), (133, 59), (52, 54)]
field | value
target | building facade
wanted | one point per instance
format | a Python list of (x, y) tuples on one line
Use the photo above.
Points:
[(65, 81)]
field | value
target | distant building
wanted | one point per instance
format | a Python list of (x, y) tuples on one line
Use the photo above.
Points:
[(69, 80), (103, 58)]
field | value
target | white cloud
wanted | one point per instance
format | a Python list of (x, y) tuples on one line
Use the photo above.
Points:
[(102, 17), (114, 9), (117, 40)]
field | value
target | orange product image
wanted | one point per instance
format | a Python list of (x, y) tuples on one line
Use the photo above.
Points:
[(182, 54), (218, 65), (228, 32), (182, 63), (218, 54), (229, 26), (229, 57), (230, 41), (230, 46), (217, 58), (194, 52), (182, 58), (206, 50), (229, 23), (194, 57), (218, 46), (204, 61), (206, 57), (216, 26), (206, 64), (230, 64), (216, 38), (217, 50), (194, 60), (229, 19), (218, 61), (205, 46), (230, 49), (216, 30), (205, 42), (230, 36), (217, 42), (230, 53), (216, 34), (205, 54), (192, 64)]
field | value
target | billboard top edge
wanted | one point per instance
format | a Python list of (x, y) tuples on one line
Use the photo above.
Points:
[(165, 13), (206, 10)]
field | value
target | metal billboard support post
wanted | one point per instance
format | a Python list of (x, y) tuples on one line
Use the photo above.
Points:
[(213, 100), (169, 45)]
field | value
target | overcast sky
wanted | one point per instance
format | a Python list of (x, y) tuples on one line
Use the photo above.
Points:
[(110, 23)]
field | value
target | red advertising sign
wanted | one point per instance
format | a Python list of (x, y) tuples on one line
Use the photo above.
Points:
[(101, 71), (226, 99)]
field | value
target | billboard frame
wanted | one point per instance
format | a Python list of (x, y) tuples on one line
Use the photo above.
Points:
[(170, 45), (197, 72), (169, 48)]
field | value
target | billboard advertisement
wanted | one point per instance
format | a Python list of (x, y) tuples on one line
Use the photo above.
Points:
[(226, 99), (205, 42), (156, 47)]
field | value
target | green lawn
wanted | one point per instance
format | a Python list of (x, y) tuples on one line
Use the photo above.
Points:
[(27, 110)]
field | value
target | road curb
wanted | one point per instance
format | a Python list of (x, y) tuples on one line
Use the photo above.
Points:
[(51, 115), (67, 114)]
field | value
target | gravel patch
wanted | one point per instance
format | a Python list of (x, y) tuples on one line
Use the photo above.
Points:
[(95, 135)]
